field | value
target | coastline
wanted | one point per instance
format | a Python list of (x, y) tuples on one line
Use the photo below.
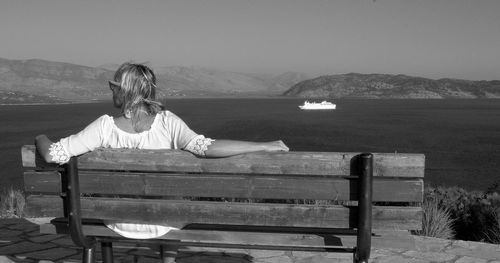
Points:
[(48, 103), (248, 97)]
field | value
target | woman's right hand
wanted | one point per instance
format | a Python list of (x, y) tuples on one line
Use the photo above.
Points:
[(276, 146), (42, 143)]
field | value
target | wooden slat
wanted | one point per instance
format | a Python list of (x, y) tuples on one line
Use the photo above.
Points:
[(380, 239), (204, 238), (178, 213), (394, 239), (230, 186), (42, 181), (28, 154), (317, 163), (203, 235)]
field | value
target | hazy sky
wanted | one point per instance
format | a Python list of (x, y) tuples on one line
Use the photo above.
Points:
[(430, 38)]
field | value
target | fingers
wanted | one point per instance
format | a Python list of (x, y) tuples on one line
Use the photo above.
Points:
[(279, 146), (283, 146)]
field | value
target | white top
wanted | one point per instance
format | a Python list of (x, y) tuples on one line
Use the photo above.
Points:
[(167, 132)]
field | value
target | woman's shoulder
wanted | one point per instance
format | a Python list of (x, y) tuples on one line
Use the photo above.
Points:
[(105, 119), (104, 122), (168, 115), (169, 119)]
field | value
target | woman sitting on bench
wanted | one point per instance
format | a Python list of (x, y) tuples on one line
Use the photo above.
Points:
[(143, 124)]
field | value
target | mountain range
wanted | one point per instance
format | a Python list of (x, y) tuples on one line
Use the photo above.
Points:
[(41, 81), (48, 81), (355, 85)]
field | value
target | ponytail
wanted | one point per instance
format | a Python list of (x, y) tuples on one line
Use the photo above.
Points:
[(143, 112)]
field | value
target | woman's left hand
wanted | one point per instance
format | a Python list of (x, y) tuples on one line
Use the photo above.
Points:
[(225, 148), (276, 146)]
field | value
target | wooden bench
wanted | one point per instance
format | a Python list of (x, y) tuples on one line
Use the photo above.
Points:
[(301, 201)]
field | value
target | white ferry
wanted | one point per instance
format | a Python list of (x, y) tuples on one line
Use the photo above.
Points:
[(324, 105)]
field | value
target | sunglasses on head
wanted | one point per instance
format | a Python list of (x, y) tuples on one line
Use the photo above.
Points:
[(113, 85)]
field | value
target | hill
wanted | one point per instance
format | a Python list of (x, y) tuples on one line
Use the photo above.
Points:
[(48, 81), (56, 80), (354, 85), (200, 81), (17, 97)]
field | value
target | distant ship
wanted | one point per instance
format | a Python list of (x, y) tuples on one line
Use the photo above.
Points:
[(324, 105)]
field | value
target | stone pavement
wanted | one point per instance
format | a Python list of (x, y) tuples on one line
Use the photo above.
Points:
[(21, 242)]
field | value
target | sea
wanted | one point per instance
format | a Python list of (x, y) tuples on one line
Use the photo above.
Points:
[(460, 138)]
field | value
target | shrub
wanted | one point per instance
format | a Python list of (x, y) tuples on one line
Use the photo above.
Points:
[(12, 203), (475, 214)]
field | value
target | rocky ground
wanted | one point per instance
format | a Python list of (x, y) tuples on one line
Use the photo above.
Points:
[(20, 241)]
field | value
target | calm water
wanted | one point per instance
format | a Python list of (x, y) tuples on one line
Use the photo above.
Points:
[(460, 138)]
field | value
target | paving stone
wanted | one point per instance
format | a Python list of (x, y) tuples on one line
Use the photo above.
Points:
[(470, 260), (64, 241), (50, 254), (4, 224), (18, 259), (278, 259), (398, 259), (304, 254), (24, 260), (24, 226), (32, 233), (10, 221), (380, 253), (42, 238), (78, 259), (213, 259), (298, 255), (7, 233), (148, 260), (239, 254), (265, 253), (5, 241), (430, 244), (4, 259), (23, 247), (430, 256), (474, 249)]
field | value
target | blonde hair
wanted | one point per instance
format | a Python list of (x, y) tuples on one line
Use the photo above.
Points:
[(137, 94)]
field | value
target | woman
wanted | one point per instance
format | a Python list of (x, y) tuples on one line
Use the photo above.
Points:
[(143, 124)]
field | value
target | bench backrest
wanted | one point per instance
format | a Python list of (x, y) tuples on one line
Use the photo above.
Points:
[(299, 189)]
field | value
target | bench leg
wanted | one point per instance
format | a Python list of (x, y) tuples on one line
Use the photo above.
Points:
[(168, 253), (356, 260), (88, 255), (360, 261), (107, 252)]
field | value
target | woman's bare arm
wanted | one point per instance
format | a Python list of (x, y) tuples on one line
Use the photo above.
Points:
[(225, 148)]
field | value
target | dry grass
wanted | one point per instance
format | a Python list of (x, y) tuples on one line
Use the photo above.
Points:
[(12, 203), (436, 221)]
